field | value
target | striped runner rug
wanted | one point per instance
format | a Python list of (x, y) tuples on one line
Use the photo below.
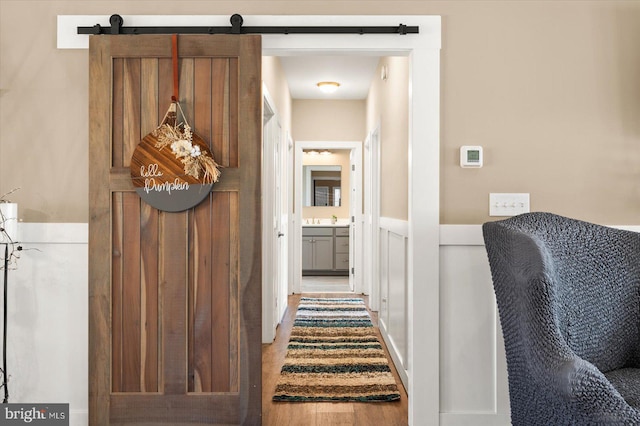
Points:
[(335, 355)]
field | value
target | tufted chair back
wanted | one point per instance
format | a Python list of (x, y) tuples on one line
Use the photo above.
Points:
[(568, 291)]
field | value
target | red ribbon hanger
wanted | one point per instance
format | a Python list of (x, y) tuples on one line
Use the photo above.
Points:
[(174, 55)]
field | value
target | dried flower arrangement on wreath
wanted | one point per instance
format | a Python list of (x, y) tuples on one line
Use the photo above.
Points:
[(196, 162)]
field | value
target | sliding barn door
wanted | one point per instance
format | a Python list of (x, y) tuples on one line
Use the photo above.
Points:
[(175, 303)]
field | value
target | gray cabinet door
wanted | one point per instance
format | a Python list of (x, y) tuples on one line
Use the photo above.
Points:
[(323, 253), (317, 253), (307, 253)]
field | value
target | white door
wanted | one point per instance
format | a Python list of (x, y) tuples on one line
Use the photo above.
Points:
[(276, 217), (371, 252), (281, 221), (274, 223), (355, 211)]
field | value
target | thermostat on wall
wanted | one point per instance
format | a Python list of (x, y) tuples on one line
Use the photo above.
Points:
[(471, 156)]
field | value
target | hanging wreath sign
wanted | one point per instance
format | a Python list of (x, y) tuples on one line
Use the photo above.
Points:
[(172, 167)]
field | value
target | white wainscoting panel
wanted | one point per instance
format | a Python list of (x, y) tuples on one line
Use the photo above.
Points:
[(47, 339), (473, 376), (398, 325), (383, 314), (393, 318)]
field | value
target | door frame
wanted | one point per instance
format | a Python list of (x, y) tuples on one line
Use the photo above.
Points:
[(371, 234), (275, 256), (355, 188), (423, 50), (424, 153)]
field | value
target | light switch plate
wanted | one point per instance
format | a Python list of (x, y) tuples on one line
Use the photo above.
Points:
[(508, 204)]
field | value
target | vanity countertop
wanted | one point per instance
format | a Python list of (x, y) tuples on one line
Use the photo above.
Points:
[(327, 224)]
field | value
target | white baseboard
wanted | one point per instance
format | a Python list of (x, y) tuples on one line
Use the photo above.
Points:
[(78, 417), (393, 351)]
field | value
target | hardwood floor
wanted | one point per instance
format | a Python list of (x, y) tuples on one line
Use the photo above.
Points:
[(321, 413)]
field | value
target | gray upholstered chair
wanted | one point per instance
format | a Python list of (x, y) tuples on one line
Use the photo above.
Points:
[(569, 304)]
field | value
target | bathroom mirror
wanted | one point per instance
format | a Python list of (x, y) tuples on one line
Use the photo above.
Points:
[(321, 186)]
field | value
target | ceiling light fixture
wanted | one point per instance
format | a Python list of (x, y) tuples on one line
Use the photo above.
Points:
[(328, 86)]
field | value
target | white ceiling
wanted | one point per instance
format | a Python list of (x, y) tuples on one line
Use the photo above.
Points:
[(354, 73)]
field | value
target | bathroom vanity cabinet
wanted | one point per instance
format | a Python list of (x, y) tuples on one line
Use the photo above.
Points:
[(325, 250)]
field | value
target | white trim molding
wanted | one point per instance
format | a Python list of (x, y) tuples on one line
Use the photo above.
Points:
[(397, 226), (471, 235)]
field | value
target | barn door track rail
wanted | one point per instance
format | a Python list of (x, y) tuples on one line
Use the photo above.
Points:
[(236, 27)]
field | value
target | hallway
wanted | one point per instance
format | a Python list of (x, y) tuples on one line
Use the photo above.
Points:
[(323, 413)]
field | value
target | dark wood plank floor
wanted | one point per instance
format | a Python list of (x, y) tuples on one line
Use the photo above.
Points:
[(321, 413)]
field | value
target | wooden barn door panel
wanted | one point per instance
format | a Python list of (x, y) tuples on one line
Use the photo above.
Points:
[(175, 297)]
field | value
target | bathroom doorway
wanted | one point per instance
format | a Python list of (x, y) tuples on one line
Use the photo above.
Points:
[(328, 238)]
